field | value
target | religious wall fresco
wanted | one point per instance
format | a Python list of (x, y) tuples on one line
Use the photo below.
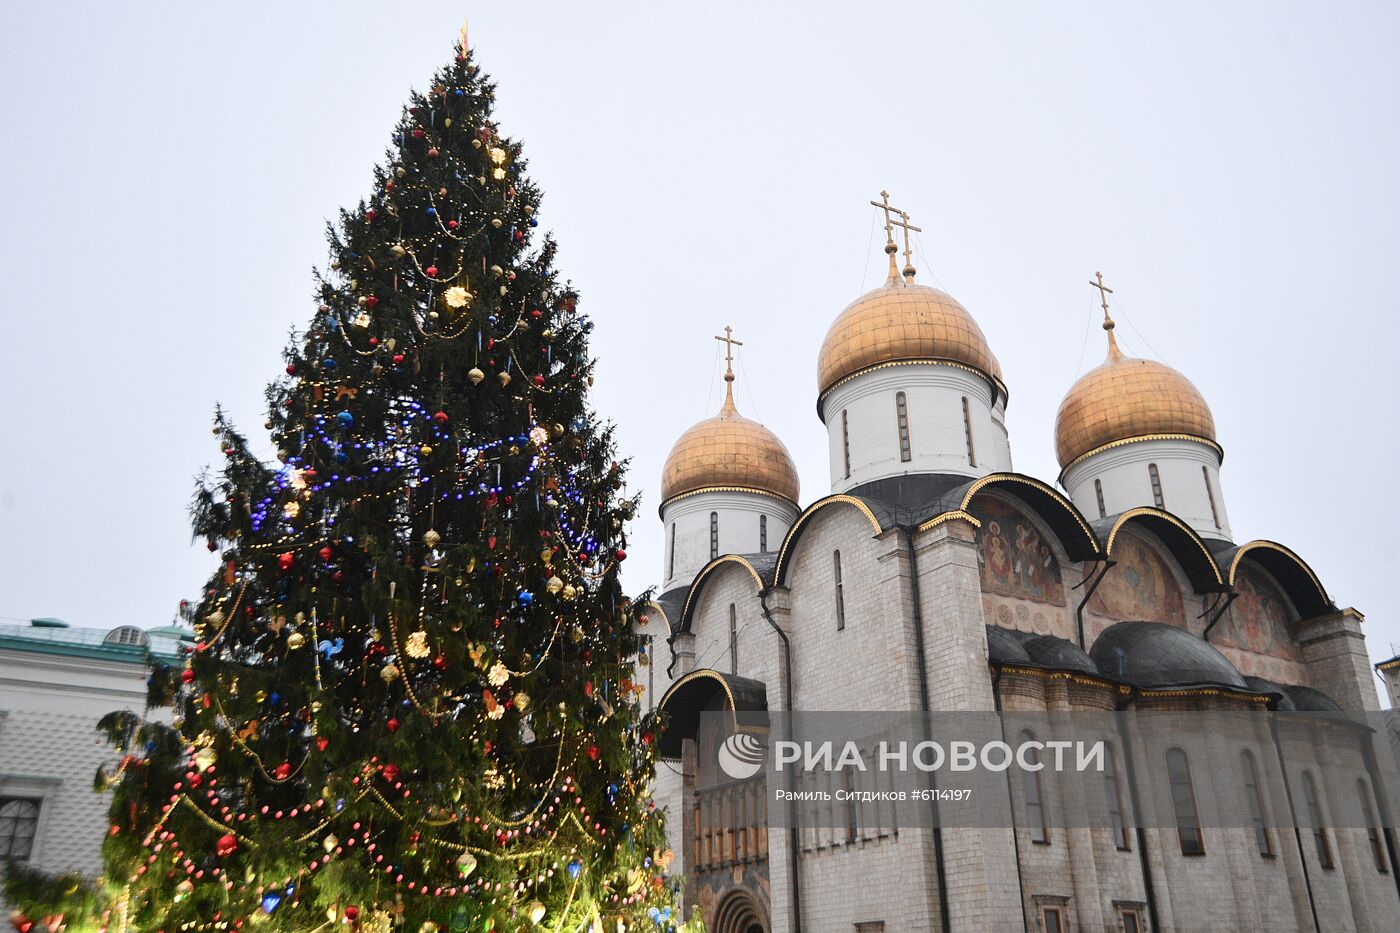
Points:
[(1258, 627), (1013, 557), (1141, 586)]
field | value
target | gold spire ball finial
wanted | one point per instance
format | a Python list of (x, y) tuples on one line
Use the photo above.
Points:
[(729, 344), (1104, 292)]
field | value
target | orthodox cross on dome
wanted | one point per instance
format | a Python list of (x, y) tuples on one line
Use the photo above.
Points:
[(729, 344), (894, 217), (1104, 292)]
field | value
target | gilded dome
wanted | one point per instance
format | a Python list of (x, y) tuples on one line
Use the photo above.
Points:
[(1124, 399), (729, 451), (903, 322)]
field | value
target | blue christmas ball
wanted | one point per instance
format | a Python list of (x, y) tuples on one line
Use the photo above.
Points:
[(534, 222), (270, 901), (432, 212), (575, 867), (345, 418), (341, 456), (274, 698), (526, 597), (328, 363)]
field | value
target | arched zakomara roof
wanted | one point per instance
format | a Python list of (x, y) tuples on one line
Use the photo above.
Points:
[(745, 700), (1292, 698), (1155, 654), (1007, 647), (784, 558), (758, 566), (1064, 520), (1190, 551), (1288, 570)]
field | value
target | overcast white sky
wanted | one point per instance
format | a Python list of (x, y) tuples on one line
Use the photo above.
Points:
[(168, 168)]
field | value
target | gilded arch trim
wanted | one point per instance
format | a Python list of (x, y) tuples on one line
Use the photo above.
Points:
[(1320, 603), (1086, 539), (692, 594), (780, 570), (1207, 559)]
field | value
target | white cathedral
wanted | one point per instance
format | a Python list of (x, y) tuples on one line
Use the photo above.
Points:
[(932, 576)]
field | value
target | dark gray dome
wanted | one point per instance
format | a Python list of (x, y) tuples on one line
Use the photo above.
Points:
[(1308, 700), (1059, 655), (1155, 654), (1003, 647)]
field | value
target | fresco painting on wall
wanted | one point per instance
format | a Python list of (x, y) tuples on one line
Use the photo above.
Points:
[(1141, 587), (1258, 620), (1013, 557)]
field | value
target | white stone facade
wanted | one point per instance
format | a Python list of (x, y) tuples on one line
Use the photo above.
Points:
[(703, 525)]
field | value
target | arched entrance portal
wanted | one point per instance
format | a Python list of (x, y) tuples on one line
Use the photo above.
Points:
[(739, 912)]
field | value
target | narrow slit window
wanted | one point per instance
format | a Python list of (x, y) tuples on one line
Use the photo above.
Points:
[(1054, 922), (1034, 790), (1188, 820), (967, 431), (901, 412), (1098, 494), (733, 640), (671, 554), (840, 591), (1315, 822), (846, 444), (1262, 837), (1130, 922), (763, 534), (1373, 830), (714, 535), (1114, 794), (1156, 478), (1210, 494)]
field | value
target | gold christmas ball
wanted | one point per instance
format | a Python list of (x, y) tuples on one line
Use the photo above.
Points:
[(398, 250), (496, 222), (475, 376), (330, 842), (547, 554), (260, 696), (400, 171), (535, 912), (466, 864), (554, 584), (431, 538), (204, 759), (476, 144), (389, 673), (558, 430), (296, 640), (569, 591), (504, 379), (425, 451)]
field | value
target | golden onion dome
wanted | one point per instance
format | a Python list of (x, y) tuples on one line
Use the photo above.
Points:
[(902, 322), (1127, 399), (729, 452)]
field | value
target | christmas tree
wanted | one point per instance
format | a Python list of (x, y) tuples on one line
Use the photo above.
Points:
[(409, 705)]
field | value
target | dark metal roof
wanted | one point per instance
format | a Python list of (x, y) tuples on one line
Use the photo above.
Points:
[(1155, 654), (1003, 647), (1059, 655), (1282, 700), (1181, 540), (907, 499), (1068, 525), (1291, 572), (1308, 700), (672, 602), (702, 690)]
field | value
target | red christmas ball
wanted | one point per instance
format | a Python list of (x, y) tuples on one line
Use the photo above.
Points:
[(282, 771), (431, 271), (440, 417), (371, 214), (226, 846), (352, 913), (371, 302), (291, 369), (440, 663), (374, 341), (187, 676), (593, 752), (539, 380), (392, 725), (452, 225), (326, 553), (286, 559), (390, 772), (398, 358), (417, 134), (620, 554)]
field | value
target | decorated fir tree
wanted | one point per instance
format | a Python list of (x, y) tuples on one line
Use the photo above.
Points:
[(409, 706)]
